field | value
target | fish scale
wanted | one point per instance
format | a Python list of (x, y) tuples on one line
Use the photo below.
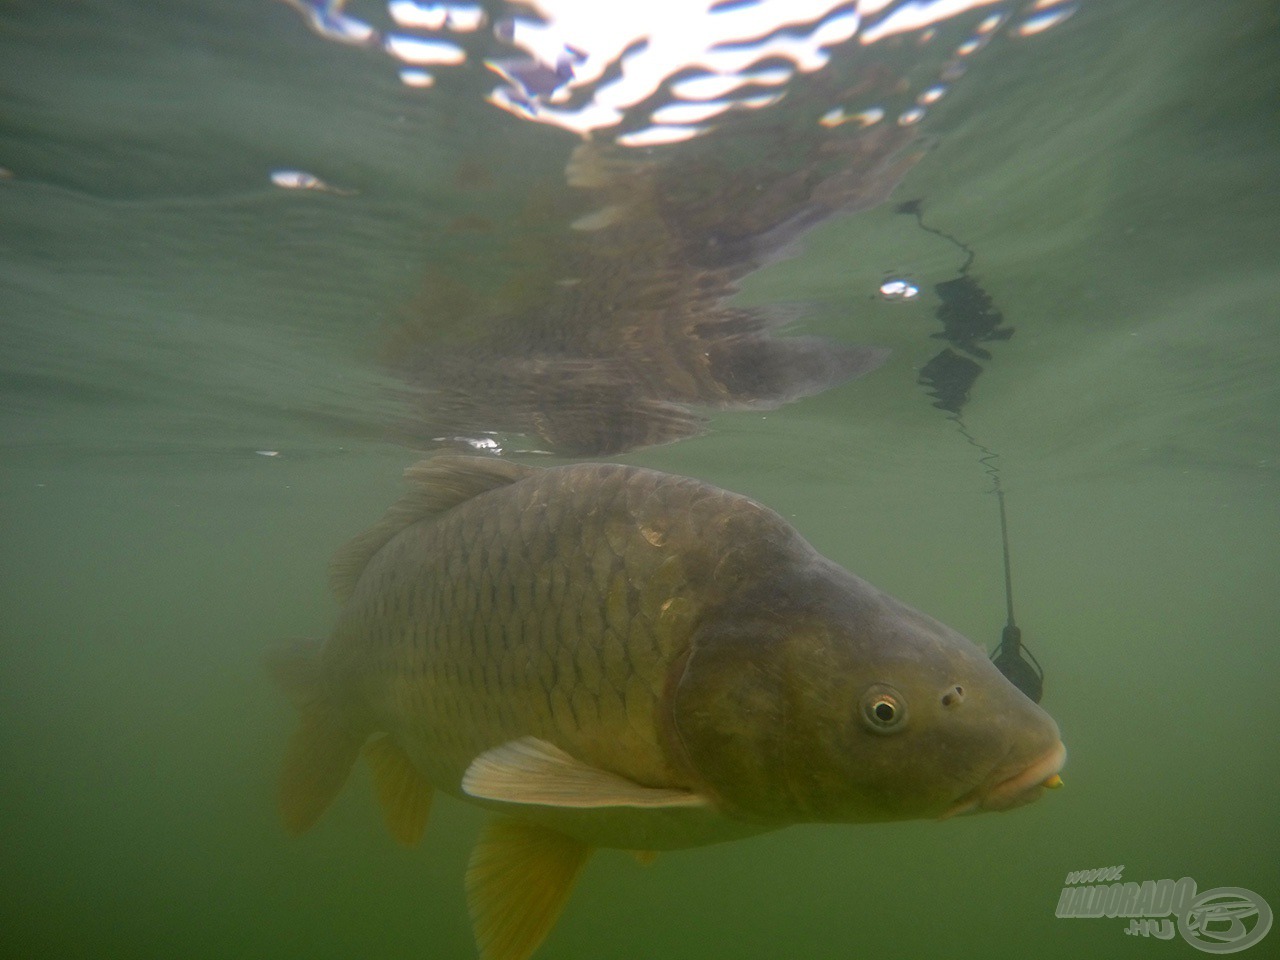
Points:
[(610, 656), (481, 566)]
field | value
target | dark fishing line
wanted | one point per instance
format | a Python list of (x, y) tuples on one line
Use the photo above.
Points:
[(1011, 656), (969, 316), (915, 208), (988, 460)]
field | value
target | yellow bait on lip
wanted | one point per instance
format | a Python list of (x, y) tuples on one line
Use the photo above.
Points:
[(1053, 783)]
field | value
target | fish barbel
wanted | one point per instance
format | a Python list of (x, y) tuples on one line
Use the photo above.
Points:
[(608, 656)]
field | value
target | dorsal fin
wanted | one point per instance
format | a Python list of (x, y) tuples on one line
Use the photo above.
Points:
[(436, 485)]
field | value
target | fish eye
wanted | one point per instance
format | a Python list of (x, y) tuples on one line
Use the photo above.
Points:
[(883, 709)]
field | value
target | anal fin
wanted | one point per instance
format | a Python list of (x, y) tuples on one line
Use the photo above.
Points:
[(403, 792), (325, 744), (518, 881)]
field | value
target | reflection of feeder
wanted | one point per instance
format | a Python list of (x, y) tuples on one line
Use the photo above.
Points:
[(949, 377), (969, 316)]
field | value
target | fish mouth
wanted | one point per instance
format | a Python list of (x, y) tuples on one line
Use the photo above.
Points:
[(1022, 788)]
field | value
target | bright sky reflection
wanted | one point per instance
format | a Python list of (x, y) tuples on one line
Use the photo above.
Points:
[(587, 66)]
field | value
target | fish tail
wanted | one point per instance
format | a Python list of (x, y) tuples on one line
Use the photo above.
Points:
[(325, 745)]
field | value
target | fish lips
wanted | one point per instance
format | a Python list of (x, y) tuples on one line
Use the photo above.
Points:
[(1018, 790)]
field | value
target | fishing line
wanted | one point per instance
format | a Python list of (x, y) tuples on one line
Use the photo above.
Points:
[(915, 208), (1013, 659), (969, 316)]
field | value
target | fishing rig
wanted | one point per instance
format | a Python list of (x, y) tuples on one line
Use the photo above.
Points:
[(970, 318)]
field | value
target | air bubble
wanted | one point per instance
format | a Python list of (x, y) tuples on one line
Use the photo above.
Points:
[(899, 290)]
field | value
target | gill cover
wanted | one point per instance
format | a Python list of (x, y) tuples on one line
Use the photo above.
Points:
[(729, 711)]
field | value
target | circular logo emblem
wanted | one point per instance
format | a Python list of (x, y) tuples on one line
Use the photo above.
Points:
[(1225, 920)]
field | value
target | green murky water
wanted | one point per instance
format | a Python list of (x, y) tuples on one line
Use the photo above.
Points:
[(168, 313)]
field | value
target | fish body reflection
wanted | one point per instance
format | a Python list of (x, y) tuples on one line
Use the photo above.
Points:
[(622, 333)]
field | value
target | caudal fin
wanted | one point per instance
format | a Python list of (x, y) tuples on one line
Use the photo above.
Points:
[(323, 749)]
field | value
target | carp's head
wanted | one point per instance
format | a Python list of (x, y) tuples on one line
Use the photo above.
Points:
[(817, 697)]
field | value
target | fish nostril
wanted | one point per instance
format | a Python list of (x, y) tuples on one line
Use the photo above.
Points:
[(953, 697)]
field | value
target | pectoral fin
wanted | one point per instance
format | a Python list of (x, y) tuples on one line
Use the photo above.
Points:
[(403, 792), (533, 771), (518, 881)]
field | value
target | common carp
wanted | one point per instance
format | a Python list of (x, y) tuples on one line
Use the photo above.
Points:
[(609, 656)]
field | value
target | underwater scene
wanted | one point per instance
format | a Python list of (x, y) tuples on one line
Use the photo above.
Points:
[(682, 479)]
